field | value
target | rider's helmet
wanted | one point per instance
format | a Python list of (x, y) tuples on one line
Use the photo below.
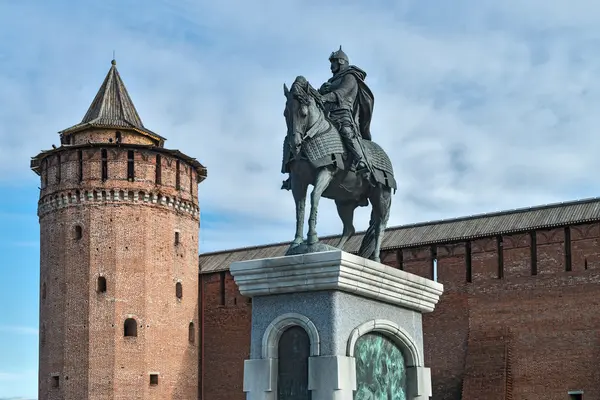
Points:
[(339, 55)]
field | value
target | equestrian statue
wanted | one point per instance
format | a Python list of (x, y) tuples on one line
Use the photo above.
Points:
[(328, 145)]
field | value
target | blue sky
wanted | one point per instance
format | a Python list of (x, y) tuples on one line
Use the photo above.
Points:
[(482, 105)]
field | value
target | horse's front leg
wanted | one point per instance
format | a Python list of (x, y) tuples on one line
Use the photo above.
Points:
[(324, 177), (299, 189)]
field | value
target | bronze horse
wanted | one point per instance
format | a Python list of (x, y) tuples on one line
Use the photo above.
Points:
[(314, 154)]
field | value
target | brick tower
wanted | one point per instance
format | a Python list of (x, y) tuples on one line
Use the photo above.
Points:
[(119, 224)]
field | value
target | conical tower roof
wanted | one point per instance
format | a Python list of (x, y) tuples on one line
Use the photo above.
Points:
[(112, 108)]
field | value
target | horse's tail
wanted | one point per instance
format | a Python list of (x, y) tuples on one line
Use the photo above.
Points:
[(367, 247)]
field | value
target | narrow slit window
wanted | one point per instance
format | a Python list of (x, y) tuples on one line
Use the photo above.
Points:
[(177, 238), (468, 262), (130, 166), (78, 232), (80, 165), (500, 250), (400, 259), (158, 173), (568, 264), (222, 287), (101, 284), (576, 395), (58, 168), (191, 180), (177, 175), (130, 327), (118, 137), (533, 252), (178, 290), (55, 381), (45, 173), (434, 264), (153, 379), (104, 164), (191, 333)]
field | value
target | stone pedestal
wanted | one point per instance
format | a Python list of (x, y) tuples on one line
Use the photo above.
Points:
[(336, 298)]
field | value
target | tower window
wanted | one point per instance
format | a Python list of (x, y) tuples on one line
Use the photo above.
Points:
[(177, 175), (104, 164), (178, 290), (176, 238), (130, 327), (158, 176), (44, 291), (55, 381), (576, 395), (191, 333), (101, 284), (130, 166), (118, 137), (78, 232), (153, 379)]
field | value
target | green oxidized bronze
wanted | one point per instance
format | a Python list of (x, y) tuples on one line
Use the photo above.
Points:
[(380, 369)]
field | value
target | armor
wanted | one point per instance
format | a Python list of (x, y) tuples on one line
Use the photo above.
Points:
[(349, 104), (339, 55), (340, 94)]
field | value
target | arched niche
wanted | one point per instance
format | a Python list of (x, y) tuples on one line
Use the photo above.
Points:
[(270, 342), (394, 332)]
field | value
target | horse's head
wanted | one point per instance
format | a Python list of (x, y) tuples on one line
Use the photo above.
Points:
[(301, 109)]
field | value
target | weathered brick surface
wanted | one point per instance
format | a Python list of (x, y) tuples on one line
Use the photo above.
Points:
[(505, 335), (418, 261), (109, 136), (445, 333), (128, 239), (516, 256), (227, 339)]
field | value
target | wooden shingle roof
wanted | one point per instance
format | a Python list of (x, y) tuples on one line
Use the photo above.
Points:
[(435, 232), (112, 108)]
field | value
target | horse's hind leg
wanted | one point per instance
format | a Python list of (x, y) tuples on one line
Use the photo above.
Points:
[(299, 189), (324, 177), (346, 212), (381, 201)]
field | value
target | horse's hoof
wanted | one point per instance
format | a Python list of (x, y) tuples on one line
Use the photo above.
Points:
[(312, 239), (297, 242)]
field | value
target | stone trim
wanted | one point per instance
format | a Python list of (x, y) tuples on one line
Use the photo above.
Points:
[(270, 342), (399, 335), (336, 270), (69, 198)]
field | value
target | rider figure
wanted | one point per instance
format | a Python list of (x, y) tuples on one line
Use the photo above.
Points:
[(349, 103)]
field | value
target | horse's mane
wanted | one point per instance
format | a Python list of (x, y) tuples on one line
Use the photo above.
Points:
[(302, 89)]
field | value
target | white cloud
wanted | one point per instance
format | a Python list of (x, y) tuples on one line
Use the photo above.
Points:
[(484, 109)]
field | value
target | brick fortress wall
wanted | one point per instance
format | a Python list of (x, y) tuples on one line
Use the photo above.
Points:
[(518, 319), (108, 223)]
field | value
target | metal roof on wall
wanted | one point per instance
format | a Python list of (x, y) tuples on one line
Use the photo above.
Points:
[(434, 232)]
